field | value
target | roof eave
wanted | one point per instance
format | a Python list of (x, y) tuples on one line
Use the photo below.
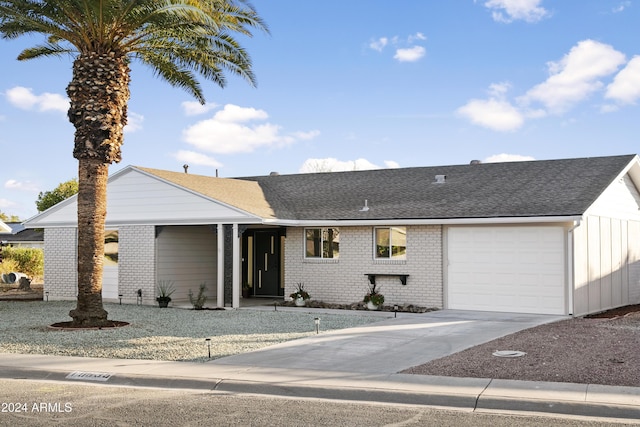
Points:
[(424, 221)]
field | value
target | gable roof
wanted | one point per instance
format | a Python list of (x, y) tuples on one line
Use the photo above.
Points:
[(242, 194), (543, 190), (547, 188)]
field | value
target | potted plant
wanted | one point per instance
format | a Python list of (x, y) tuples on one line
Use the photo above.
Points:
[(246, 290), (165, 289), (374, 299), (300, 296)]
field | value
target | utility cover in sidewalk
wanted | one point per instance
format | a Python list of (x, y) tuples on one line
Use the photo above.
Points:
[(89, 376), (509, 353)]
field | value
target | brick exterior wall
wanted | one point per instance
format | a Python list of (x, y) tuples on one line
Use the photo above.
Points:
[(136, 263), (60, 264), (344, 280)]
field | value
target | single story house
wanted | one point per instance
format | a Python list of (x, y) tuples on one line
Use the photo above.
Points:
[(554, 236), (15, 234)]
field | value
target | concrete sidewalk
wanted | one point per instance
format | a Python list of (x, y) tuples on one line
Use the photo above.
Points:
[(358, 364)]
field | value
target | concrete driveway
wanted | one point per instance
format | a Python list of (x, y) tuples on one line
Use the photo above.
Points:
[(391, 345)]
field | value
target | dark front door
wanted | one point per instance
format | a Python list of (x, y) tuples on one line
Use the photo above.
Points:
[(267, 263)]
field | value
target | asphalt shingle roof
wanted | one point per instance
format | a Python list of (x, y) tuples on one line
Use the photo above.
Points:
[(565, 187)]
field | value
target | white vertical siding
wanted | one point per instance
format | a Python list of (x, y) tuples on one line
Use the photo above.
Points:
[(187, 256), (633, 261), (606, 264), (607, 246)]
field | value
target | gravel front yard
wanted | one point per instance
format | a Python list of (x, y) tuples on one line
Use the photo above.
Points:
[(158, 334), (581, 350)]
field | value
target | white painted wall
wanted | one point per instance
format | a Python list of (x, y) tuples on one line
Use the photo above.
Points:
[(606, 264), (60, 264), (343, 280), (187, 255), (620, 200)]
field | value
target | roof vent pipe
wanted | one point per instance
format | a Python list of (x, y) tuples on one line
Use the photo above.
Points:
[(186, 167), (440, 179), (365, 208)]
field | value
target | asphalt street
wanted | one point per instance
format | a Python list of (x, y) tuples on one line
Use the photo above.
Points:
[(41, 403)]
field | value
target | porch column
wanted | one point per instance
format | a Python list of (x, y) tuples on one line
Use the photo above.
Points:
[(236, 267), (220, 269)]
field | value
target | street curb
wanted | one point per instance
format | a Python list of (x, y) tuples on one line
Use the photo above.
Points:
[(468, 401), (586, 409)]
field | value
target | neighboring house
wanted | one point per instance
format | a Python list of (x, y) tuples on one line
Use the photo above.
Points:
[(16, 235), (556, 236)]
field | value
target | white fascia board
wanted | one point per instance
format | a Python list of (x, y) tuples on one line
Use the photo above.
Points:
[(442, 221), (202, 221), (199, 221)]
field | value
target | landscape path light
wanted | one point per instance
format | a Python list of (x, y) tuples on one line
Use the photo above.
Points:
[(208, 341), (316, 321)]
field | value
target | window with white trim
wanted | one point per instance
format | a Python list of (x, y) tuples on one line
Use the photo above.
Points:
[(322, 243), (390, 242)]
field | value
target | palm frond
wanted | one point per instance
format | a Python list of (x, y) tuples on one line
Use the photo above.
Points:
[(176, 38)]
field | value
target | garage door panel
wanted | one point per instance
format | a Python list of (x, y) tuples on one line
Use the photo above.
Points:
[(511, 269)]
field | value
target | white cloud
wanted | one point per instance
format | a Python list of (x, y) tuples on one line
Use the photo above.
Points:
[(625, 87), (134, 122), (379, 44), (416, 36), (194, 108), (193, 158), (331, 164), (504, 157), (514, 10), (571, 80), (25, 99), (391, 164), (575, 76), (232, 130), (621, 7), (233, 113), (494, 113), (411, 54), (12, 184), (304, 136), (403, 53)]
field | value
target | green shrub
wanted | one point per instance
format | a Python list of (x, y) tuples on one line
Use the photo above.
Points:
[(29, 261)]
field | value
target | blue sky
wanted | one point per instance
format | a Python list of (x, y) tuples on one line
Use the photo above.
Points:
[(358, 84)]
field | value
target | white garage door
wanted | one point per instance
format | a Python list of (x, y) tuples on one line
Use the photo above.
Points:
[(509, 269)]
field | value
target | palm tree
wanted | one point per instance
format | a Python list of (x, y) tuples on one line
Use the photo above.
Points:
[(176, 38)]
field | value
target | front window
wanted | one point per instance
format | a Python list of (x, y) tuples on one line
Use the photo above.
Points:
[(322, 243), (111, 247), (391, 243)]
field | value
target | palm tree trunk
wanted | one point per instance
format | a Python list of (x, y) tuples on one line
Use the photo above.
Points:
[(98, 93), (92, 211)]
